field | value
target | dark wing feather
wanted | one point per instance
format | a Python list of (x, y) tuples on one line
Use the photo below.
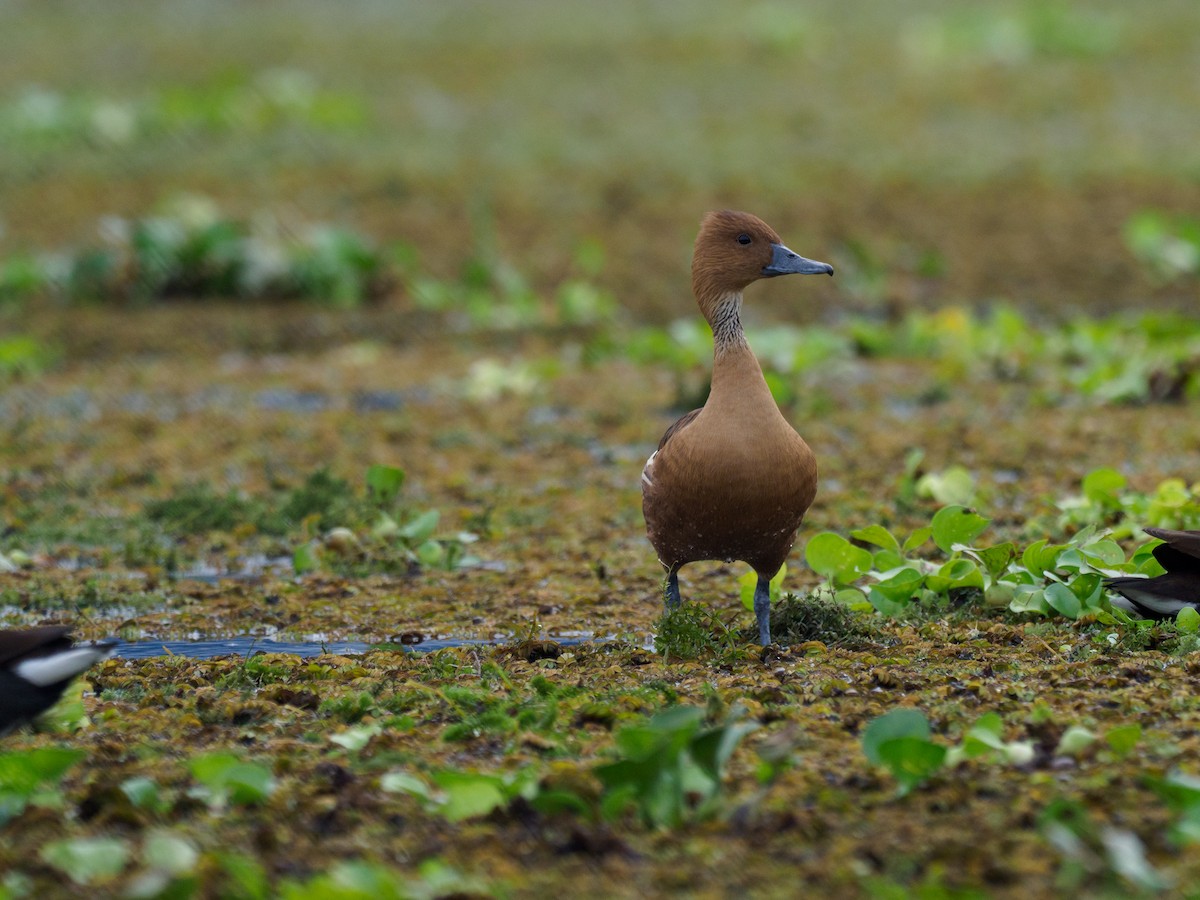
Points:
[(678, 425), (18, 643), (1181, 550), (1157, 598)]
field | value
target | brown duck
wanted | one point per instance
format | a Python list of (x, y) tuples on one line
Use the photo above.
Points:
[(1164, 596), (731, 480)]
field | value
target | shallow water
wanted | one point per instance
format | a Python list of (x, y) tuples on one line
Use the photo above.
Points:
[(249, 645)]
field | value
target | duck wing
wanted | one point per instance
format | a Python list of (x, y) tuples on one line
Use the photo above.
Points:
[(1157, 598), (17, 643), (678, 425), (1180, 552)]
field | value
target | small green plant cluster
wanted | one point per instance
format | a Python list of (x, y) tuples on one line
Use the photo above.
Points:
[(356, 880), (23, 357), (1169, 245), (669, 771), (32, 778), (192, 251), (391, 542), (1089, 850), (167, 864), (786, 352), (490, 293), (1106, 501), (224, 779), (1181, 793), (1064, 579), (902, 742), (692, 631), (323, 500), (1121, 359), (1010, 36), (166, 860), (41, 118)]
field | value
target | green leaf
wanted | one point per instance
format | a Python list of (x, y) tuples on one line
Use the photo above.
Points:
[(421, 526), (354, 739), (712, 748), (405, 783), (1103, 486), (26, 770), (958, 573), (899, 723), (954, 486), (1029, 598), (956, 525), (917, 538), (1040, 556), (469, 795), (1187, 620), (383, 483), (1106, 552), (1074, 740), (304, 559), (1123, 738), (886, 560), (1063, 600), (143, 793), (900, 586), (878, 536), (87, 860), (225, 778), (833, 556), (27, 774), (170, 853), (853, 598), (1179, 790), (431, 554), (886, 606), (995, 559), (987, 736), (244, 876), (912, 760)]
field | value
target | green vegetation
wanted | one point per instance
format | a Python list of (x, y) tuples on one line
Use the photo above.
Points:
[(32, 778), (247, 260), (190, 251)]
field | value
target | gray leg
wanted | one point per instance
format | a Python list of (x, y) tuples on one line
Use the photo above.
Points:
[(762, 609), (671, 591)]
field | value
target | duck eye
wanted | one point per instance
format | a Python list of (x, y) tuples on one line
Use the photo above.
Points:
[(743, 238)]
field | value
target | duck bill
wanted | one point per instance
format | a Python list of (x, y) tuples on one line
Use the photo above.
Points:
[(785, 262)]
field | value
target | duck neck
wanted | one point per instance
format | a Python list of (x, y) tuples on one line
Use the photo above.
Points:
[(737, 379), (725, 320)]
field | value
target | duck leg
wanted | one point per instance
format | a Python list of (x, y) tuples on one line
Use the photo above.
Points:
[(671, 591), (762, 608)]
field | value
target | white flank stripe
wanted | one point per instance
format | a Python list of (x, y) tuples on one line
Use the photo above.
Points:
[(647, 479), (45, 670)]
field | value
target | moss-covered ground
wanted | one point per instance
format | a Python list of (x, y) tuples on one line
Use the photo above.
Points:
[(946, 156)]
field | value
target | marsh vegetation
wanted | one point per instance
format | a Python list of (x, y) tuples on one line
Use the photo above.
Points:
[(380, 311)]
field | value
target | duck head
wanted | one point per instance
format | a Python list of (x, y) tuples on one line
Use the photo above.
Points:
[(734, 249)]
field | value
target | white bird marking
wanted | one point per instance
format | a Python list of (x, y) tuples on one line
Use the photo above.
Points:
[(646, 477), (47, 670)]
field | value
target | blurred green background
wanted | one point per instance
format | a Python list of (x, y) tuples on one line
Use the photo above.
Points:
[(966, 151)]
